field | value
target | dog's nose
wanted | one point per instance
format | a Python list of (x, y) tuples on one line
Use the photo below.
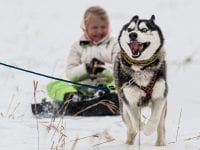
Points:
[(133, 36)]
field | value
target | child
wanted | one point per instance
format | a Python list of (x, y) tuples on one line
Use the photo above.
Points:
[(95, 45), (90, 59)]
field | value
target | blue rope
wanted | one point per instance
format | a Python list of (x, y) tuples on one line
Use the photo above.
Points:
[(103, 88)]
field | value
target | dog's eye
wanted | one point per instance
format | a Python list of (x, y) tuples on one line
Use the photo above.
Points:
[(129, 29), (144, 29)]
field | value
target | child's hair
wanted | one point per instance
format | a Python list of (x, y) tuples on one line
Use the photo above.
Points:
[(95, 11)]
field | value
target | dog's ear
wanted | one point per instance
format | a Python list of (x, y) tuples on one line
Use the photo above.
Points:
[(153, 18), (135, 18)]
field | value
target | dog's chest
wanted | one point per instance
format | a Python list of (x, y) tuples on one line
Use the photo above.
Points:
[(142, 77), (132, 89)]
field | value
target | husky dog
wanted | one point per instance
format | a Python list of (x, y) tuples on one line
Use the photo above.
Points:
[(140, 77)]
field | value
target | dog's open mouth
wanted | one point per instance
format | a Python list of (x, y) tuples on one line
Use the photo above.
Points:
[(137, 48)]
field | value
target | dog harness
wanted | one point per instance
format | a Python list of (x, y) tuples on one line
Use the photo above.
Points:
[(149, 88), (144, 63)]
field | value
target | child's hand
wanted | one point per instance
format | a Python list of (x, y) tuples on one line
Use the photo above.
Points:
[(95, 66)]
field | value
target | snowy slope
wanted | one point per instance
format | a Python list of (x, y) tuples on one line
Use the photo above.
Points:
[(37, 35)]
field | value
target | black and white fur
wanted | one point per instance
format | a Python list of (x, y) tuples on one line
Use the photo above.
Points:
[(140, 39)]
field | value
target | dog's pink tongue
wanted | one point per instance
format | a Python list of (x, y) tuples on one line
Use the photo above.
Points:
[(135, 46)]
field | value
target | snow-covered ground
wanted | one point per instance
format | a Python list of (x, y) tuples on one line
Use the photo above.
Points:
[(37, 35)]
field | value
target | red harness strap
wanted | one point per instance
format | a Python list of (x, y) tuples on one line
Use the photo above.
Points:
[(149, 88)]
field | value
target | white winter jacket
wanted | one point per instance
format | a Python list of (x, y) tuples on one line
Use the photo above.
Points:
[(83, 51)]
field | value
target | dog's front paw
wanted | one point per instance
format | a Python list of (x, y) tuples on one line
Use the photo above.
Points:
[(129, 142), (150, 128), (130, 138), (160, 143)]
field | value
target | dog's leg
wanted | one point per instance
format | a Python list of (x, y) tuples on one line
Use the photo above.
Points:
[(132, 107), (131, 133), (156, 110), (161, 128), (133, 112)]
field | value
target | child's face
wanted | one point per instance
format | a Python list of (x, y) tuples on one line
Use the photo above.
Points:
[(97, 28)]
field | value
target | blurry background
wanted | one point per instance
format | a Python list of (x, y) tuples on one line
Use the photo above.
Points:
[(37, 35)]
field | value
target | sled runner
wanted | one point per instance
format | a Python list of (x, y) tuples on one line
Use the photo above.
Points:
[(71, 101)]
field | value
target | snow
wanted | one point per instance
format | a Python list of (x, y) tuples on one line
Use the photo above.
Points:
[(37, 35)]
